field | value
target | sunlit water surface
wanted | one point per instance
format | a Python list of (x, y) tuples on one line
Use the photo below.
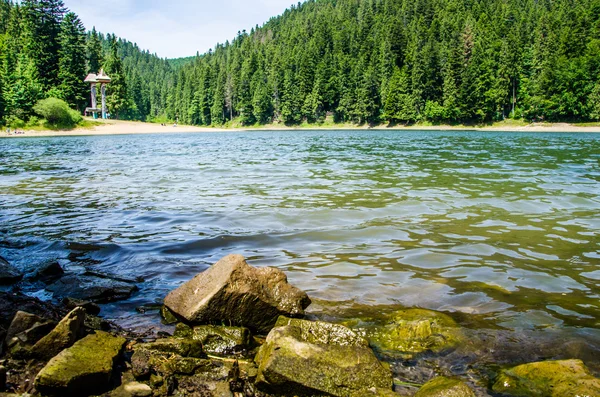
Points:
[(501, 226)]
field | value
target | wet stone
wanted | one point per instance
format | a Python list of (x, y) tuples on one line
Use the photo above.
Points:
[(562, 378), (218, 340), (83, 369), (445, 387), (301, 357), (233, 292), (91, 288), (67, 332), (412, 331), (8, 273)]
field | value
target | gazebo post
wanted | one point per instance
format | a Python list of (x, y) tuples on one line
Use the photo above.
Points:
[(94, 80)]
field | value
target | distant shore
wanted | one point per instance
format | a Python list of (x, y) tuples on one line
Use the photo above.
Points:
[(119, 127)]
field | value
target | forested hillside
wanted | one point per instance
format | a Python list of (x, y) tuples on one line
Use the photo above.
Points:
[(46, 52), (358, 61), (402, 61)]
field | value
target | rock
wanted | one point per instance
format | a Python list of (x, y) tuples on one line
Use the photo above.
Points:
[(412, 331), (20, 346), (11, 303), (90, 307), (548, 379), (167, 317), (233, 292), (8, 273), (219, 340), (2, 378), (83, 369), (68, 330), (167, 356), (22, 321), (132, 389), (445, 387), (48, 271), (300, 357), (90, 288)]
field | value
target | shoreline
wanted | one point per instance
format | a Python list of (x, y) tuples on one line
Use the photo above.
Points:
[(120, 127)]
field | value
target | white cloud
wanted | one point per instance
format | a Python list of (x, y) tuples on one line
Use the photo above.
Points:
[(177, 28)]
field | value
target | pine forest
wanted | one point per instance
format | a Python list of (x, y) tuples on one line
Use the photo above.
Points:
[(350, 61)]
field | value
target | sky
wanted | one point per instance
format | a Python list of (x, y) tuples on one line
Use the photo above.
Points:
[(176, 28)]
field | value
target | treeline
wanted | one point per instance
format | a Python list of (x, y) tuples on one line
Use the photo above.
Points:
[(402, 61), (45, 52), (361, 61)]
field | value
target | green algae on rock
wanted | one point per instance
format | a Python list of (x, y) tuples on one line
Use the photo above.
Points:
[(412, 331), (445, 387), (82, 369), (301, 357), (563, 378), (215, 339)]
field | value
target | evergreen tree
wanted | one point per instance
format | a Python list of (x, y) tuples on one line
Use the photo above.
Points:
[(94, 52), (72, 63), (42, 28), (118, 101), (400, 105)]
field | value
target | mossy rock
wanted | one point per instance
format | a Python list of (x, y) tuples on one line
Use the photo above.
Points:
[(301, 357), (445, 387), (412, 331), (181, 347), (83, 369), (564, 378), (217, 340)]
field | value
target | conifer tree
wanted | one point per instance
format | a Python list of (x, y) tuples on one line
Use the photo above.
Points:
[(72, 63), (94, 52), (118, 101)]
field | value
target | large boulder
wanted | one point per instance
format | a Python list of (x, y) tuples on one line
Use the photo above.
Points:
[(83, 369), (445, 387), (217, 339), (548, 379), (301, 357), (8, 273), (66, 332), (407, 332), (235, 293), (91, 288)]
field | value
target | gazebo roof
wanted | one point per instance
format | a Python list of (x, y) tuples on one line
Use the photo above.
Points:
[(91, 78), (102, 77)]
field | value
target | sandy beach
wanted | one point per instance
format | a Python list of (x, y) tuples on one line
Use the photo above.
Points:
[(119, 127)]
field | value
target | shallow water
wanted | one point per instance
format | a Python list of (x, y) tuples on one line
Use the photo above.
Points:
[(504, 226)]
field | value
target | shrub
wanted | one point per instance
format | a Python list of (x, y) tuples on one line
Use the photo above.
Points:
[(57, 113)]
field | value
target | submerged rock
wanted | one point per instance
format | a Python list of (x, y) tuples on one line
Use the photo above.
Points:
[(68, 330), (414, 331), (301, 357), (90, 288), (83, 369), (8, 273), (564, 378), (48, 271), (90, 307), (445, 387), (219, 340), (235, 293)]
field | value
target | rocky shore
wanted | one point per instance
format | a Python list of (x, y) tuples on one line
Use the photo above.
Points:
[(238, 331)]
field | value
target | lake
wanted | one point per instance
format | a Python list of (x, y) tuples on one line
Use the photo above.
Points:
[(503, 228)]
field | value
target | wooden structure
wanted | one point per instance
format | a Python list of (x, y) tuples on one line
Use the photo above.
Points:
[(95, 79)]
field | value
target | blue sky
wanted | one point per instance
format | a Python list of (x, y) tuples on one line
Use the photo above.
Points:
[(176, 28)]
